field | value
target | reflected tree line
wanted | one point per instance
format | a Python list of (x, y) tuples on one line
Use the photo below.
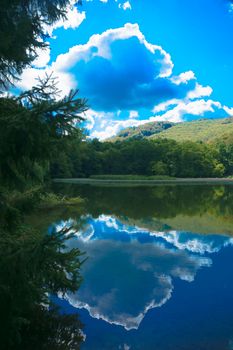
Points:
[(168, 201)]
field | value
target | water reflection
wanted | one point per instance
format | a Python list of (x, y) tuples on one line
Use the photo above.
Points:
[(200, 209), (34, 266), (131, 270)]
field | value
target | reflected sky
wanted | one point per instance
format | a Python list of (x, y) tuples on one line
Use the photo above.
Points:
[(159, 269), (131, 270)]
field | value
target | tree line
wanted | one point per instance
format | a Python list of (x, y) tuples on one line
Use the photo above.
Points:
[(83, 158)]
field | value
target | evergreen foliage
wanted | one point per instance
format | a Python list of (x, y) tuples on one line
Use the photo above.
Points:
[(32, 267), (33, 128), (22, 31)]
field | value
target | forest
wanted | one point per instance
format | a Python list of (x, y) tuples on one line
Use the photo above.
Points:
[(85, 158)]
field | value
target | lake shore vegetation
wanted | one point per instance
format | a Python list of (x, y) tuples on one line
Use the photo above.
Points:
[(146, 158)]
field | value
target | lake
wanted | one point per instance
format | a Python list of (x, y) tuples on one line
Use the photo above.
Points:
[(159, 268)]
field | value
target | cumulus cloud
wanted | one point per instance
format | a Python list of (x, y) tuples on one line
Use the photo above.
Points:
[(120, 71), (122, 68)]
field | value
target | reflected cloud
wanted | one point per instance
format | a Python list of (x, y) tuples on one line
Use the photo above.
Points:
[(131, 270), (108, 227), (195, 243)]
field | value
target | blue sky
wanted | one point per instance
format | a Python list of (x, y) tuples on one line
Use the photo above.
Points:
[(137, 61)]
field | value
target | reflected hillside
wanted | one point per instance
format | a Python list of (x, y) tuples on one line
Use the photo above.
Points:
[(200, 209)]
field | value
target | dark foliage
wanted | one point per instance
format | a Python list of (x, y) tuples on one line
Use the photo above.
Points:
[(22, 26), (140, 157), (33, 127), (33, 266)]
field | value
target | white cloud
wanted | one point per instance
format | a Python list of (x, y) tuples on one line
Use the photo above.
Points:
[(73, 19), (114, 126), (28, 78), (133, 114), (102, 44), (104, 125), (90, 117), (93, 118), (43, 57), (110, 126), (65, 82), (161, 107), (199, 91), (196, 108), (228, 110), (183, 77), (125, 6)]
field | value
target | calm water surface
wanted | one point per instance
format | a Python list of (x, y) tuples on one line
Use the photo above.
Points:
[(159, 273)]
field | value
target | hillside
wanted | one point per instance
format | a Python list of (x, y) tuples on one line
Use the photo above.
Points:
[(142, 131), (201, 130), (205, 130)]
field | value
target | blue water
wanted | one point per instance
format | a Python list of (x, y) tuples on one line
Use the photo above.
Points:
[(148, 289)]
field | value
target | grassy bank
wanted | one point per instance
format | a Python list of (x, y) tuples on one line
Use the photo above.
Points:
[(52, 200), (129, 180), (37, 198), (131, 177)]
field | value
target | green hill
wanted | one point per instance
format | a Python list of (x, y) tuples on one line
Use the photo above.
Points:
[(205, 130), (142, 131)]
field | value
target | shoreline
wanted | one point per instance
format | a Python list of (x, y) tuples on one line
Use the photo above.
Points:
[(178, 181)]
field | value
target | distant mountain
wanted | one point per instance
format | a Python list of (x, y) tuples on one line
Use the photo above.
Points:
[(205, 130)]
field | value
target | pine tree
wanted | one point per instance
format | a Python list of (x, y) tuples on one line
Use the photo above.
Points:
[(33, 127), (22, 32)]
